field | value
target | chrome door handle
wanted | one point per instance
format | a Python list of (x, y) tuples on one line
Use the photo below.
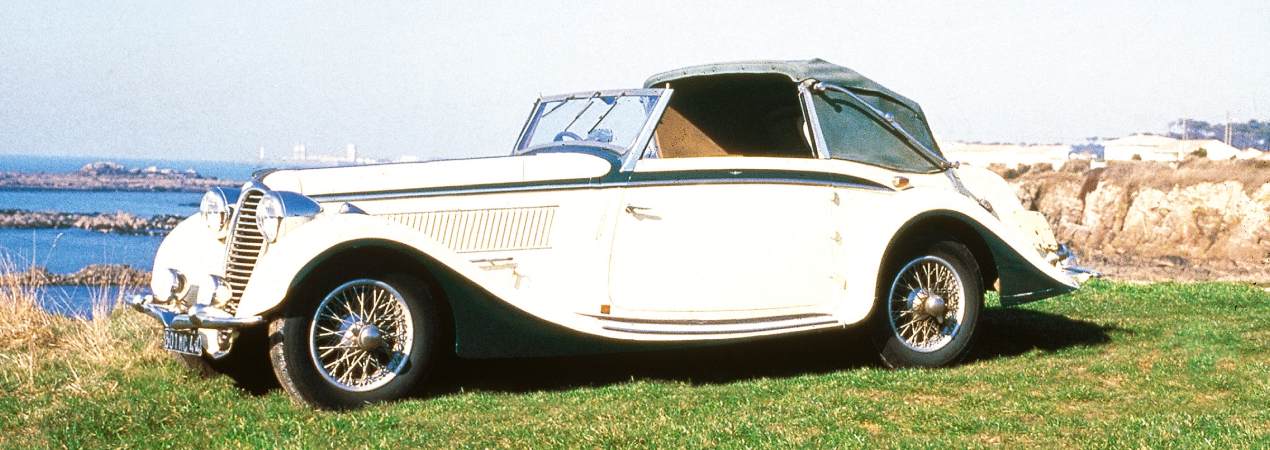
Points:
[(641, 213)]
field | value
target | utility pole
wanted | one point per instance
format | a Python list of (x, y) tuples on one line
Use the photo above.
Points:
[(1227, 127)]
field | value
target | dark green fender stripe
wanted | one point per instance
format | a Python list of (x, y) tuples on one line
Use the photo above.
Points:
[(633, 179)]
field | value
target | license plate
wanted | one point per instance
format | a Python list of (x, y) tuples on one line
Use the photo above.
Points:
[(182, 341)]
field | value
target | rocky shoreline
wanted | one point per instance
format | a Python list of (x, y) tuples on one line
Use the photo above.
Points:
[(1152, 221), (119, 222), (93, 275), (109, 176)]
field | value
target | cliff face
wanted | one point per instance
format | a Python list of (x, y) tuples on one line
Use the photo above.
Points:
[(1145, 220)]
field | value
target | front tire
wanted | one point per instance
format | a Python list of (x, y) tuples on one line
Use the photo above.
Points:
[(366, 340), (928, 306)]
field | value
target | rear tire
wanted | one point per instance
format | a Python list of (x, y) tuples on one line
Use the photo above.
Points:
[(928, 306), (364, 340)]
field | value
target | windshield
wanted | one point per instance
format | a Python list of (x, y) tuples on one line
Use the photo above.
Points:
[(612, 120)]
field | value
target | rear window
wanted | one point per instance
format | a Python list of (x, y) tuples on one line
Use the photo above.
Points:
[(851, 134)]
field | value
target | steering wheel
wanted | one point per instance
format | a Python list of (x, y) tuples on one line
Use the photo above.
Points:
[(566, 134)]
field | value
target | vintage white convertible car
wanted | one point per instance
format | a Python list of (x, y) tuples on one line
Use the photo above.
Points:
[(718, 203)]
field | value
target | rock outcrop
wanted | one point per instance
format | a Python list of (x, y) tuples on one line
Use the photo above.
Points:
[(1190, 220), (93, 275), (119, 222)]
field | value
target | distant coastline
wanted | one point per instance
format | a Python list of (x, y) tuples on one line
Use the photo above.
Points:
[(110, 176), (92, 275), (120, 222)]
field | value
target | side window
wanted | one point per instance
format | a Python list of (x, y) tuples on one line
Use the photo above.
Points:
[(907, 118), (851, 134)]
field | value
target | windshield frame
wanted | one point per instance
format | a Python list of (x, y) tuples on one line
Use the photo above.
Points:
[(641, 140)]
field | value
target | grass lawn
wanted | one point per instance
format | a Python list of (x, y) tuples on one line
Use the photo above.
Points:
[(1115, 365)]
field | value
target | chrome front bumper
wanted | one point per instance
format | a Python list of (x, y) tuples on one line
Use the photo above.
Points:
[(198, 317)]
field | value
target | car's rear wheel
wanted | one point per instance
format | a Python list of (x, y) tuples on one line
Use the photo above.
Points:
[(366, 340), (929, 306)]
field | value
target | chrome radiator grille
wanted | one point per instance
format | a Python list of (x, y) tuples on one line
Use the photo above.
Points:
[(245, 245)]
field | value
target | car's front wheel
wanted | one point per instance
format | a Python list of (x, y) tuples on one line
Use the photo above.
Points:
[(929, 307), (366, 340)]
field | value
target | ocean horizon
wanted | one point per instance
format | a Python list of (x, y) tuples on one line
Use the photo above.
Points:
[(222, 169), (69, 250)]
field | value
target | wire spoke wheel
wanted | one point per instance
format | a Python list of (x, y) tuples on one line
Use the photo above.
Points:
[(361, 335), (926, 304)]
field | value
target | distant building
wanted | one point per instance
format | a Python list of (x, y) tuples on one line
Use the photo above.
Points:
[(350, 152), (1253, 153), (1148, 147), (1008, 154), (299, 152)]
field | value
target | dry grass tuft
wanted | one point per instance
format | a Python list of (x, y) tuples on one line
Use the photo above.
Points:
[(33, 339), (23, 323), (1252, 174)]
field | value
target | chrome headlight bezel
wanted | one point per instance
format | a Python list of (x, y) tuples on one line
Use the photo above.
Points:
[(279, 210), (269, 214), (167, 284), (216, 209)]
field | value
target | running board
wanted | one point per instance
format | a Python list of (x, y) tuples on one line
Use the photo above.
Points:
[(703, 327)]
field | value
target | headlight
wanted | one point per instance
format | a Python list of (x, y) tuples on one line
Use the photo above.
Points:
[(167, 284), (215, 208), (279, 211), (269, 216)]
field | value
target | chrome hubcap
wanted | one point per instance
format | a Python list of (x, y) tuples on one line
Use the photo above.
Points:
[(361, 335), (925, 307), (368, 338)]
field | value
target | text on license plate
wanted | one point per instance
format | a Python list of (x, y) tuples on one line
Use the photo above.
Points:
[(181, 341)]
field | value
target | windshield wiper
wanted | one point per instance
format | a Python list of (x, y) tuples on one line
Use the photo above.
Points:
[(554, 108), (602, 116), (583, 111)]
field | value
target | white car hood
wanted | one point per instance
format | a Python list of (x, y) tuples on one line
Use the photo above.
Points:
[(435, 174)]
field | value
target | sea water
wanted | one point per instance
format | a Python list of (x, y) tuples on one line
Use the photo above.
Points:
[(69, 250), (138, 203)]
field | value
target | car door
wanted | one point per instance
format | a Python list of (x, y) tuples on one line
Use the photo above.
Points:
[(710, 237)]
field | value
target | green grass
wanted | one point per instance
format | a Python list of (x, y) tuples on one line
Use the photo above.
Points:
[(1115, 365)]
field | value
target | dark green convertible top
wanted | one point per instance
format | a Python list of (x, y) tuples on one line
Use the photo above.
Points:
[(797, 71)]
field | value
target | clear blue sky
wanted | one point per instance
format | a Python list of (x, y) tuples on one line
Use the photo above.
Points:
[(216, 80)]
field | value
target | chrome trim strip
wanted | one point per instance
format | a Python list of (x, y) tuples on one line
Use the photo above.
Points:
[(565, 186), (600, 93), (702, 329), (637, 320), (176, 321), (650, 126), (813, 120)]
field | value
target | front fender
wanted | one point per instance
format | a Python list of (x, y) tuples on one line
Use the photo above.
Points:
[(190, 248), (287, 261), (1024, 273)]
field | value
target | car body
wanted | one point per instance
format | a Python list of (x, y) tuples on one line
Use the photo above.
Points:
[(717, 203)]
